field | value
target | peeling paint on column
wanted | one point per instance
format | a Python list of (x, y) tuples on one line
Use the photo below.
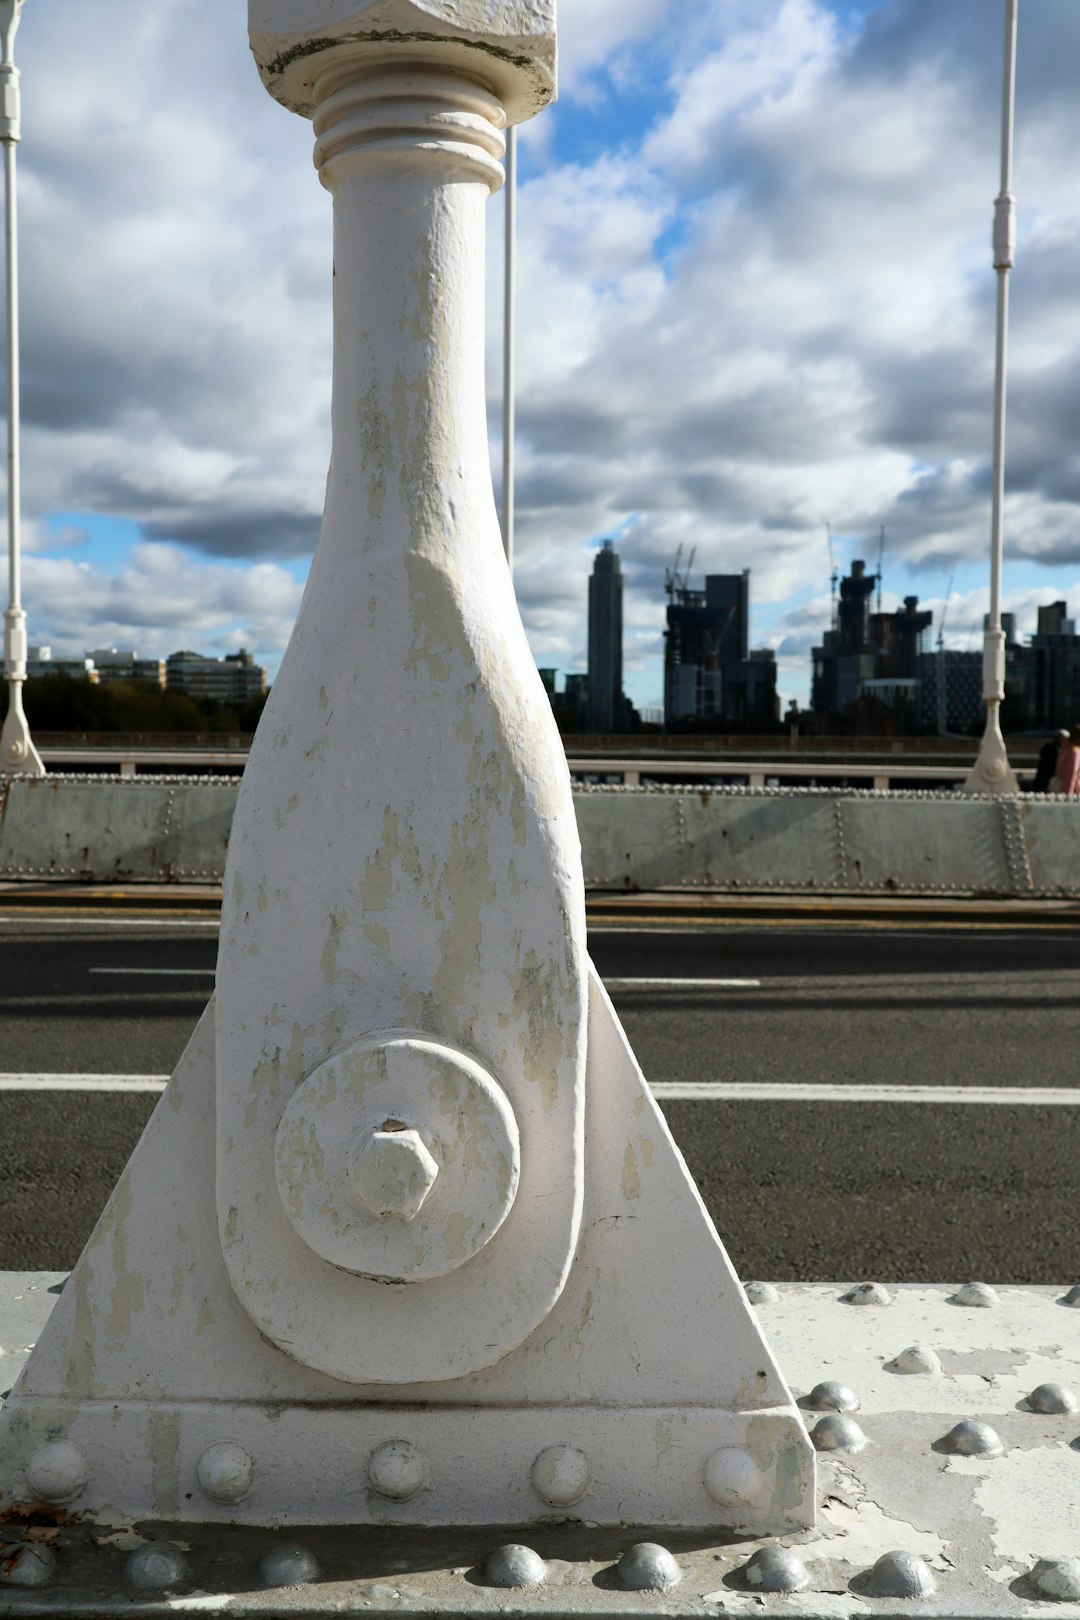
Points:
[(163, 1444)]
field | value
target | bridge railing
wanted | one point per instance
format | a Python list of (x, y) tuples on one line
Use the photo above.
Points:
[(594, 763)]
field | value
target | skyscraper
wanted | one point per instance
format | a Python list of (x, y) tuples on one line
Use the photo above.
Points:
[(605, 702)]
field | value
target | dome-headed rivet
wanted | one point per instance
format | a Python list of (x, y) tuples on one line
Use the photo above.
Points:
[(30, 1564), (917, 1358), (973, 1438), (837, 1432), (1053, 1398), (977, 1294), (648, 1567), (157, 1568), (831, 1396), (57, 1472), (289, 1565), (733, 1479), (561, 1475), (1057, 1578), (868, 1293), (514, 1566), (776, 1569), (901, 1575), (397, 1469), (225, 1472)]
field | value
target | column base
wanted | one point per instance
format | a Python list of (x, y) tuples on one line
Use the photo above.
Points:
[(18, 756), (994, 1532), (992, 772)]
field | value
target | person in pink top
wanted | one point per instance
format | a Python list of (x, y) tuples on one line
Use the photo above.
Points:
[(1067, 772)]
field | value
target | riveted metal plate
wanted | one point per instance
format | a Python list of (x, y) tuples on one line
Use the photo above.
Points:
[(981, 1525)]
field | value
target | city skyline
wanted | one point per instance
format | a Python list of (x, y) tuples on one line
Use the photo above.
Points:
[(737, 321)]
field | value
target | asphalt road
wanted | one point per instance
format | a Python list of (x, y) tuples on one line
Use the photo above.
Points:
[(836, 1189)]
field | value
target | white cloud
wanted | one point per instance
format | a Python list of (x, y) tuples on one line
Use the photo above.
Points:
[(153, 603), (765, 301)]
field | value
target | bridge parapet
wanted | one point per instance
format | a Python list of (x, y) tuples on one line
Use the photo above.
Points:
[(675, 839)]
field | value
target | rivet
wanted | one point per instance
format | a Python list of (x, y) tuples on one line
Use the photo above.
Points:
[(57, 1472), (917, 1358), (761, 1293), (31, 1564), (648, 1567), (832, 1397), (733, 1479), (397, 1469), (561, 1475), (514, 1566), (837, 1432), (289, 1565), (868, 1293), (900, 1575), (976, 1293), (157, 1568), (973, 1438), (1072, 1297), (225, 1471), (1057, 1577), (776, 1569), (1052, 1398)]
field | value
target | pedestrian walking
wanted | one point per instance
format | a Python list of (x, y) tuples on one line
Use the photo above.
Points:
[(1067, 770), (1048, 758)]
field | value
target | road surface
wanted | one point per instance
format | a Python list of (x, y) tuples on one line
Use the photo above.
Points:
[(848, 1178)]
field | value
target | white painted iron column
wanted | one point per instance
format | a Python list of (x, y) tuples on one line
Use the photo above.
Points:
[(509, 335), (992, 772), (17, 751), (405, 1238)]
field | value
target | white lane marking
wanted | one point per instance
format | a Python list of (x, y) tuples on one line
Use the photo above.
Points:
[(683, 984), (675, 1090), (83, 1082), (156, 972), (794, 1091)]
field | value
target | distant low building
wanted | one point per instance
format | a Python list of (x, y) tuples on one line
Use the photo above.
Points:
[(950, 691), (236, 678), (1051, 666), (116, 664), (40, 662), (898, 693)]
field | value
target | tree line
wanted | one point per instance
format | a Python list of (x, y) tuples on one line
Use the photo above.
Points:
[(66, 703)]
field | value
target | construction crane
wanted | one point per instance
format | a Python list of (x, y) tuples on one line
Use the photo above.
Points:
[(673, 580), (942, 705), (715, 644), (880, 561), (676, 581)]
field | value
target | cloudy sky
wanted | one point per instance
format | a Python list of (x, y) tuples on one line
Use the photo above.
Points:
[(756, 296)]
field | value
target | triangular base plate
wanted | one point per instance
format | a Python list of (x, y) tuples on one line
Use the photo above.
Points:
[(650, 1373)]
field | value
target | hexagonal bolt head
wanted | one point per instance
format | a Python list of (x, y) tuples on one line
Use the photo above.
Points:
[(393, 1172)]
